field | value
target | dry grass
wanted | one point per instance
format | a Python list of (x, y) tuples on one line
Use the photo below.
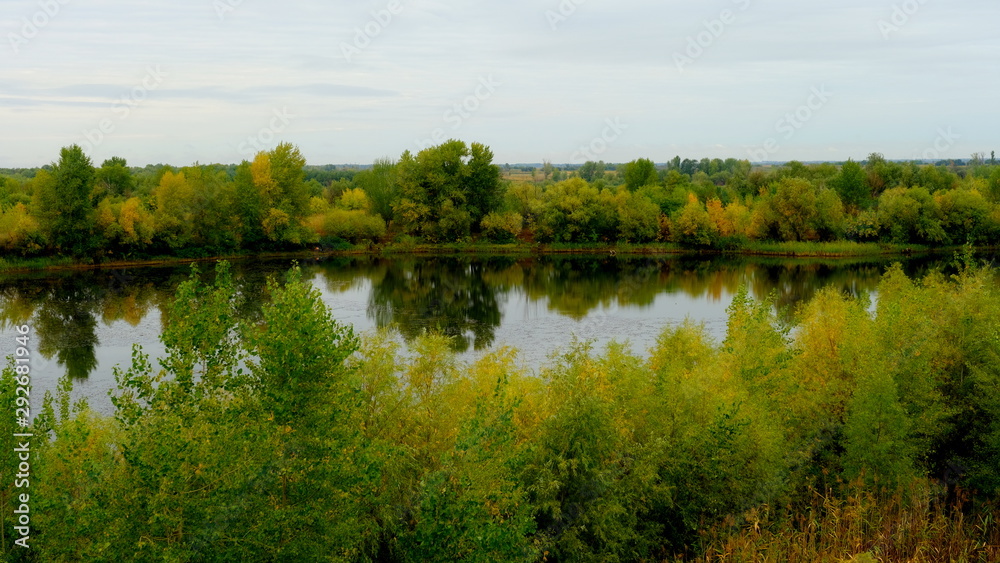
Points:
[(863, 527)]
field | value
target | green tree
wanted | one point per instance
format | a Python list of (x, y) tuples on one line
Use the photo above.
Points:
[(279, 178), (638, 217), (965, 215), (574, 211), (670, 199), (298, 381), (474, 508), (174, 198), (994, 186), (212, 209), (799, 211), (299, 376), (197, 480), (881, 174), (639, 173), (591, 170), (577, 465), (446, 189), (249, 208), (71, 205), (114, 178), (910, 215), (483, 186), (694, 227), (850, 185), (270, 199), (877, 431), (502, 228), (547, 170), (936, 178), (380, 185)]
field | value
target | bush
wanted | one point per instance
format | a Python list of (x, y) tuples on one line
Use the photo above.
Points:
[(327, 448), (353, 226), (693, 226), (355, 199), (910, 215), (638, 218), (19, 231), (862, 227), (797, 210), (502, 228), (965, 215)]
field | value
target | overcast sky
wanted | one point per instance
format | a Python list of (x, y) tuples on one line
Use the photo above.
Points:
[(182, 81)]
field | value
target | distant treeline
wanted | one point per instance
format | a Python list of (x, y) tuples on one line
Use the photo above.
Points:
[(870, 433), (455, 193)]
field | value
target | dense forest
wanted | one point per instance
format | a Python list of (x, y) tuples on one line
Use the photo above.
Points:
[(455, 193), (859, 432)]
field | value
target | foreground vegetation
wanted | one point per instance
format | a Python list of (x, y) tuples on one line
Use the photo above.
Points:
[(453, 194), (872, 435)]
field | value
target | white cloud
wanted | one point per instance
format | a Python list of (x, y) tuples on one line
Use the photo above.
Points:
[(603, 60)]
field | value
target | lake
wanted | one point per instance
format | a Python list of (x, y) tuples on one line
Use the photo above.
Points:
[(85, 322)]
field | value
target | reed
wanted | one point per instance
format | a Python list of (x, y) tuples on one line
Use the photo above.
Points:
[(859, 525)]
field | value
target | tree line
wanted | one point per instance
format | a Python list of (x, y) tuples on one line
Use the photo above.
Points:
[(454, 193), (868, 430)]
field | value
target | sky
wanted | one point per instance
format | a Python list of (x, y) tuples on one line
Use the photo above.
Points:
[(185, 81)]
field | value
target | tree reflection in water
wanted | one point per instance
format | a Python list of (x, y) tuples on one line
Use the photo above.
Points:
[(67, 328), (461, 297), (448, 295)]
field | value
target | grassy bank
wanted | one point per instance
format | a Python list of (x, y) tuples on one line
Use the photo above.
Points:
[(526, 249), (790, 249), (831, 249), (834, 250), (15, 264), (21, 265)]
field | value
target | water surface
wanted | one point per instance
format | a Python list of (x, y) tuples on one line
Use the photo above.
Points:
[(85, 322)]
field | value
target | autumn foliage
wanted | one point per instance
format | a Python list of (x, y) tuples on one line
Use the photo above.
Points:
[(860, 430), (454, 193)]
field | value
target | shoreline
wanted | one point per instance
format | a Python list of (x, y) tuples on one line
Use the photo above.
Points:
[(831, 250)]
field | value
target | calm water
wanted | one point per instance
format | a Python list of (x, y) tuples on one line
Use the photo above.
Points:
[(84, 323)]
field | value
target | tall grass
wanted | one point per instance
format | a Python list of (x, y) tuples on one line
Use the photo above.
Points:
[(835, 248), (36, 263), (916, 525)]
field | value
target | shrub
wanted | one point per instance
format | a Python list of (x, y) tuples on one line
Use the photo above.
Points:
[(910, 215), (502, 228), (638, 218), (19, 231), (693, 225), (799, 211), (354, 226), (355, 199)]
